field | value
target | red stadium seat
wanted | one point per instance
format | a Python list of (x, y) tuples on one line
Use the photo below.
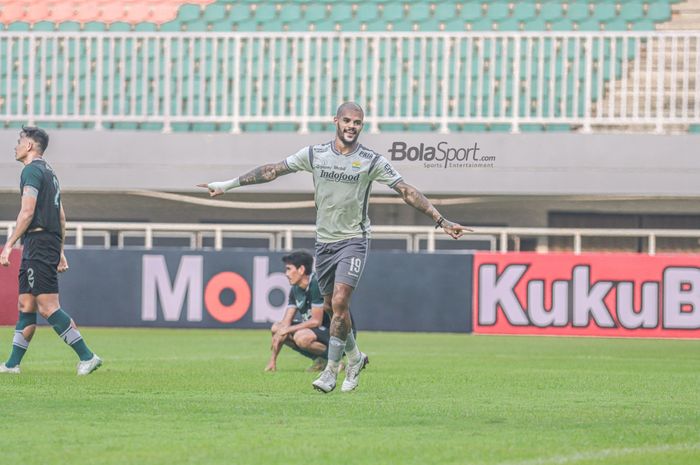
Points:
[(107, 11)]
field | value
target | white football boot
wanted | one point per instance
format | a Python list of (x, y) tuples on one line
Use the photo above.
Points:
[(352, 373), (325, 382), (88, 366), (5, 369)]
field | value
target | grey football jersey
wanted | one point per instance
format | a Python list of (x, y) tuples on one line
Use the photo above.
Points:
[(342, 186)]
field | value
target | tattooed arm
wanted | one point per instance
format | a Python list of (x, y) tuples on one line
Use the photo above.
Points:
[(259, 175), (417, 200)]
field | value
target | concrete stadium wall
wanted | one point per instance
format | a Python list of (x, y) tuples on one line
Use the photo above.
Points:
[(455, 164)]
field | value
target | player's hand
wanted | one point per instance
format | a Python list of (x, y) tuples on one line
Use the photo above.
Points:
[(455, 230), (271, 366), (213, 192), (5, 256), (282, 333), (62, 264)]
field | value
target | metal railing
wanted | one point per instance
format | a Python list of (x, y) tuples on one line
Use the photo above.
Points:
[(437, 78), (282, 237)]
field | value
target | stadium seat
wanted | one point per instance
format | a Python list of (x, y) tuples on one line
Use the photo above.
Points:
[(418, 12), (471, 11), (524, 11), (498, 10), (578, 11), (659, 11), (393, 11)]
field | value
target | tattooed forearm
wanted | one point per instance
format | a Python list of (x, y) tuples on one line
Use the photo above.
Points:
[(264, 173), (417, 200)]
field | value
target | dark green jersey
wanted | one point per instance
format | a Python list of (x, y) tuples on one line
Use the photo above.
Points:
[(304, 299), (47, 215)]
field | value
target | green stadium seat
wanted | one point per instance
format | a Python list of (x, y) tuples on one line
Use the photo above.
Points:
[(198, 25), (537, 24), (471, 11), (367, 12), (215, 12), (445, 11), (44, 26), (145, 27), (604, 12), (482, 24), (456, 25), (498, 10), (171, 26), (315, 12), (265, 12), (578, 11), (632, 10), (221, 26), (591, 24), (376, 26), (617, 24), (393, 11), (510, 24), (562, 24), (291, 12), (419, 12), (524, 11), (18, 26), (659, 11), (643, 25), (95, 26), (189, 12), (239, 12), (246, 26), (119, 26), (551, 11)]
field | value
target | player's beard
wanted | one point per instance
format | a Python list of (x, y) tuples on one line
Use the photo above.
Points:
[(341, 136)]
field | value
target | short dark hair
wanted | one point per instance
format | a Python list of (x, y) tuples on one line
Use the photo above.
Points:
[(298, 258), (349, 106), (36, 134)]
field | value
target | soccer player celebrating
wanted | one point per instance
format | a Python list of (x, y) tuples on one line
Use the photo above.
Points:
[(41, 224), (309, 334), (343, 172)]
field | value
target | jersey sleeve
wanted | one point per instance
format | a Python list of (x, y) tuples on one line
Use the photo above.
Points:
[(384, 173), (300, 161), (31, 176), (316, 297)]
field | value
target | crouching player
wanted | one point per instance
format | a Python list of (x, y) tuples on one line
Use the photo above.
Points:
[(305, 326)]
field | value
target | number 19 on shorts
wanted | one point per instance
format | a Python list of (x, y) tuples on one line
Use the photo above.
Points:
[(355, 265)]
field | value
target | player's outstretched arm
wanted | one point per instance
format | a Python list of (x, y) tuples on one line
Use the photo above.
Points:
[(417, 200), (259, 175)]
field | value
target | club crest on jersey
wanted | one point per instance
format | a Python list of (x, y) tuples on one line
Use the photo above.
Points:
[(356, 165)]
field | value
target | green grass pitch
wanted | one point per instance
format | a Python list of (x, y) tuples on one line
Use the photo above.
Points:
[(201, 397)]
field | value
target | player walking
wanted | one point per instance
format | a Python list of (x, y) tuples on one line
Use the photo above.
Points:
[(41, 224)]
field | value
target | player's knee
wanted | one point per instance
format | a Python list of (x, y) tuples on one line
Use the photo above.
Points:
[(340, 304), (304, 339), (275, 327)]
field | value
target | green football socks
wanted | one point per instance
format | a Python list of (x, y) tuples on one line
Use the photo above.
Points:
[(61, 323), (19, 343)]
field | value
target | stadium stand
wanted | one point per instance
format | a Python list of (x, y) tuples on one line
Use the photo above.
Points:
[(373, 15), (197, 87)]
